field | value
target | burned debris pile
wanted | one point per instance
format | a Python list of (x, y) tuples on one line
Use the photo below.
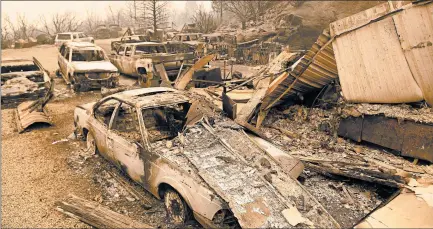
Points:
[(318, 110), (22, 80)]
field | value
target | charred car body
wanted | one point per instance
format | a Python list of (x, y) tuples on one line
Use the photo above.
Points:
[(139, 60), (22, 80), (61, 38), (186, 42), (84, 66), (115, 45), (196, 162)]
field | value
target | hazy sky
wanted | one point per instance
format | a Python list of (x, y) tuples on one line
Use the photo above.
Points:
[(33, 9)]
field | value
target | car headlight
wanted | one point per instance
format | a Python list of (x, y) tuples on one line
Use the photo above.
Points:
[(80, 75), (114, 74)]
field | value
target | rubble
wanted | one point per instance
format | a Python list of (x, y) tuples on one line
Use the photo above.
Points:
[(22, 80)]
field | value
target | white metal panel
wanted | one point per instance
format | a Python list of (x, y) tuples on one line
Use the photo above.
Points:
[(415, 29), (372, 67)]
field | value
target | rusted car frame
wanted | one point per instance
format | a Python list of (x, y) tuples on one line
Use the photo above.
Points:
[(84, 66), (165, 142), (136, 157), (139, 60), (22, 80)]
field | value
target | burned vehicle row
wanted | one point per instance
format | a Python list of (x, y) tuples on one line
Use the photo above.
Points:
[(85, 65), (22, 80), (115, 45), (200, 163), (140, 60), (186, 42)]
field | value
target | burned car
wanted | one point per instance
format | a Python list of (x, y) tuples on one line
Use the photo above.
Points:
[(129, 39), (139, 60), (186, 41), (202, 164), (85, 65), (22, 80)]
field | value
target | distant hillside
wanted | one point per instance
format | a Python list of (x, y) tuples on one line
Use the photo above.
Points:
[(316, 16)]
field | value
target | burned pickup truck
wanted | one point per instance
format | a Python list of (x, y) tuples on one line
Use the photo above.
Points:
[(141, 59), (85, 65), (202, 164), (22, 80)]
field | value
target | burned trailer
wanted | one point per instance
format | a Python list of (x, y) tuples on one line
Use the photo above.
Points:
[(142, 59), (22, 80)]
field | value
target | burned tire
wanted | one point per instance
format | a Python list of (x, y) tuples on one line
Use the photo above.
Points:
[(90, 144), (58, 74), (178, 211), (76, 87)]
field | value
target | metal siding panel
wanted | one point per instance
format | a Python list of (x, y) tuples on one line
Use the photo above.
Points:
[(317, 74), (415, 29), (372, 67)]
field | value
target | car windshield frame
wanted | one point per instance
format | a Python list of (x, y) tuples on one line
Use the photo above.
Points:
[(84, 55), (149, 49), (60, 35)]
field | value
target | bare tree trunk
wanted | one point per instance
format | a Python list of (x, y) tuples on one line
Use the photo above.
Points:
[(154, 17)]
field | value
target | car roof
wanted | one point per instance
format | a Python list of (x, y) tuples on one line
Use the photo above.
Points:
[(212, 35), (184, 34), (70, 32), (151, 97), (16, 61), (144, 43), (82, 45)]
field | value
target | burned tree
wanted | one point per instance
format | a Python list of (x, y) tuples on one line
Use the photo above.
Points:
[(22, 29), (247, 10), (218, 7), (66, 22), (205, 21), (91, 22), (114, 15), (157, 13)]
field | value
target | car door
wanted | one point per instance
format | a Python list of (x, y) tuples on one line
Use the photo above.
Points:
[(100, 121), (128, 62), (116, 59), (60, 58), (124, 142), (64, 61)]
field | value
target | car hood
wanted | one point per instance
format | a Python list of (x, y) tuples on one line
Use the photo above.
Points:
[(94, 66)]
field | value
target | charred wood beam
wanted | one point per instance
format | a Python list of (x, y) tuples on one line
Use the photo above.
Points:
[(96, 215), (410, 138), (352, 173)]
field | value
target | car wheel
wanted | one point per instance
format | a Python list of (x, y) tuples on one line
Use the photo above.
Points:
[(90, 144), (178, 211), (76, 87)]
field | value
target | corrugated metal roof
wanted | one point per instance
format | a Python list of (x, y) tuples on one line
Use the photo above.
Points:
[(315, 69)]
